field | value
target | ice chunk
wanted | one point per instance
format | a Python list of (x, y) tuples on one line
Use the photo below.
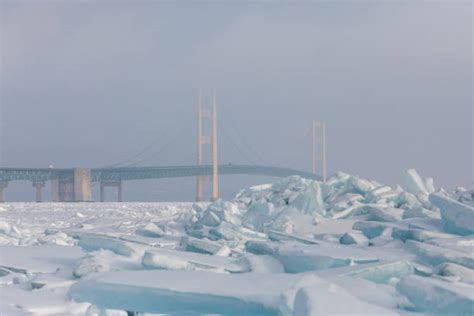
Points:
[(370, 229), (58, 238), (310, 201), (435, 255), (219, 211), (261, 187), (297, 257), (451, 269), (429, 185), (167, 241), (88, 265), (392, 197), (4, 272), (383, 273), (45, 301), (465, 196), (258, 215), (438, 297), (458, 243), (262, 263), (5, 228), (184, 292), (197, 208), (286, 183), (225, 231), (420, 212), (416, 234), (382, 240), (9, 234), (420, 188), (385, 214), (34, 259), (431, 224), (375, 194), (457, 218), (209, 218), (92, 242), (95, 311), (200, 245), (341, 202), (408, 201), (280, 236), (168, 259), (361, 185), (354, 237), (416, 185), (359, 209), (291, 221), (315, 296), (151, 230), (225, 251), (261, 247), (197, 230), (422, 269), (217, 207), (102, 261)]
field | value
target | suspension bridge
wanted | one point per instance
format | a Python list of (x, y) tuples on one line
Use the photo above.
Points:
[(75, 184)]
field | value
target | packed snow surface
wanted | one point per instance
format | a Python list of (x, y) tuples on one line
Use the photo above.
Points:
[(294, 247)]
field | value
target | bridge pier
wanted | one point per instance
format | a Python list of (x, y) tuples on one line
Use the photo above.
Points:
[(119, 193), (55, 190), (66, 191), (82, 185), (3, 186), (39, 185), (111, 183), (75, 188)]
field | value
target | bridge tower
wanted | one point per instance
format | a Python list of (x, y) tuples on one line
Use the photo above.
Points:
[(319, 148), (203, 140)]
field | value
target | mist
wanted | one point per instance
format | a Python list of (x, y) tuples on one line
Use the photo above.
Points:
[(91, 84)]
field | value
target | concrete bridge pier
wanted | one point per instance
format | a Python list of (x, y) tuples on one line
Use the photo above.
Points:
[(75, 187), (111, 183), (82, 185), (3, 186), (66, 191), (39, 185), (119, 192), (55, 190)]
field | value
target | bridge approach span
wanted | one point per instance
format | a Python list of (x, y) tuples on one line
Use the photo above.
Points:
[(74, 184), (138, 173)]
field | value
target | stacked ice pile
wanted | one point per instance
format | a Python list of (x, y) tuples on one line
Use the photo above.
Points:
[(295, 247)]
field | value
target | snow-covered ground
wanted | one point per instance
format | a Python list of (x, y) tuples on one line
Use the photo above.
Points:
[(294, 247)]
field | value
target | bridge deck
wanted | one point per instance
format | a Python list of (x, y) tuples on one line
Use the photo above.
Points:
[(137, 173)]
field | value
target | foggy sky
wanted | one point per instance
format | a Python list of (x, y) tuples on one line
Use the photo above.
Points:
[(92, 83)]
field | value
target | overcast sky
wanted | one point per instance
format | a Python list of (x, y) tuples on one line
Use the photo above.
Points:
[(91, 83)]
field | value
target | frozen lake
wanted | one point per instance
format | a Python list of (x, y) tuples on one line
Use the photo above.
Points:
[(295, 247)]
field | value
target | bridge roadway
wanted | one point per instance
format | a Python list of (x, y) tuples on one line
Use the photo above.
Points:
[(138, 173), (66, 178)]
